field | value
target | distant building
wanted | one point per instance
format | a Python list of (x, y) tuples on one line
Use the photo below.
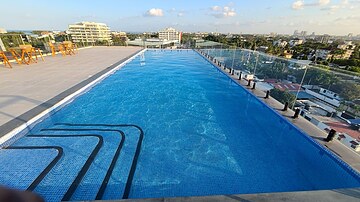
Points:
[(287, 55), (262, 49), (296, 33), (324, 38), (342, 46), (296, 42), (3, 31), (121, 35), (283, 86), (323, 54), (170, 34), (90, 32), (346, 55), (303, 33), (201, 34), (273, 34), (280, 43), (332, 99), (346, 45)]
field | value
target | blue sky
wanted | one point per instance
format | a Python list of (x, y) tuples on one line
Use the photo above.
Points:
[(338, 17)]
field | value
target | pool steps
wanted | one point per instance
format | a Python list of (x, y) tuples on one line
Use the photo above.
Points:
[(99, 129)]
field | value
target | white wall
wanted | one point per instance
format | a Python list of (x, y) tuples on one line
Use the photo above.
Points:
[(324, 98)]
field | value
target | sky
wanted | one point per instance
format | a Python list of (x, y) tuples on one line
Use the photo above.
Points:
[(336, 17)]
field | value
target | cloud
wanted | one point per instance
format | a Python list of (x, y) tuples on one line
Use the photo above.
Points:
[(300, 4), (216, 8), (222, 12), (154, 12), (297, 5), (180, 14), (331, 8), (324, 2)]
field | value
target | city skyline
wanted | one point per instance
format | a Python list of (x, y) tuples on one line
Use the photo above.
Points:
[(335, 17)]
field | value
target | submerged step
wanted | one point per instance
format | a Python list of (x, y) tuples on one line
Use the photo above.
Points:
[(21, 172), (116, 183), (79, 152)]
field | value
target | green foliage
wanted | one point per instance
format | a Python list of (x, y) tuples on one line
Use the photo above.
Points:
[(119, 41), (277, 70), (11, 40), (283, 96), (356, 53), (320, 77), (338, 52), (102, 43), (354, 69), (347, 90), (37, 32), (350, 62), (188, 39)]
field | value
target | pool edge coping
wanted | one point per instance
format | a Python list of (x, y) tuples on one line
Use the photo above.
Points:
[(342, 195), (21, 124)]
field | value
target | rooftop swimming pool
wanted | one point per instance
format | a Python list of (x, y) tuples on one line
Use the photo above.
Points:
[(167, 124)]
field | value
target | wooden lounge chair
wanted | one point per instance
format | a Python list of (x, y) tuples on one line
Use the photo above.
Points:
[(15, 55), (38, 51), (5, 59), (69, 47), (27, 53), (57, 47)]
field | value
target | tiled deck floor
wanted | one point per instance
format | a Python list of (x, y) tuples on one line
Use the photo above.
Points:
[(26, 86)]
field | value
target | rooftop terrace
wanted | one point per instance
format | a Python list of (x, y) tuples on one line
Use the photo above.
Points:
[(24, 88)]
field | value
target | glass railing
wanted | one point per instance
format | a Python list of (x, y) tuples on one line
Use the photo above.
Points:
[(329, 97)]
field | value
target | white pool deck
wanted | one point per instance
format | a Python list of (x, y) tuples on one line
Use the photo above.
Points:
[(26, 86)]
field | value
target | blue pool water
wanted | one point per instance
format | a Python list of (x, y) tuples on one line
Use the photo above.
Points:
[(202, 135)]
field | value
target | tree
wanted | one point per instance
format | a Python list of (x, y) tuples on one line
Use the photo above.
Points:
[(283, 96), (278, 70), (118, 40), (347, 90), (316, 76), (11, 39)]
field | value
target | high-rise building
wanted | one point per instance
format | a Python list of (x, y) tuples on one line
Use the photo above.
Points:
[(170, 34), (324, 38), (303, 33), (90, 32), (296, 33)]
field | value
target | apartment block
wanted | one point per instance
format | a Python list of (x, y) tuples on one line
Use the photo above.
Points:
[(170, 34), (90, 32)]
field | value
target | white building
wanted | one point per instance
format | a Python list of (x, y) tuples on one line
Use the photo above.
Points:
[(170, 34), (3, 31), (90, 32), (280, 43), (296, 42), (323, 54)]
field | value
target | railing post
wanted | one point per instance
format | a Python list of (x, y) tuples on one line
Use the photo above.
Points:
[(254, 84), (286, 106), (297, 112), (267, 94), (240, 75), (330, 136), (249, 83)]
